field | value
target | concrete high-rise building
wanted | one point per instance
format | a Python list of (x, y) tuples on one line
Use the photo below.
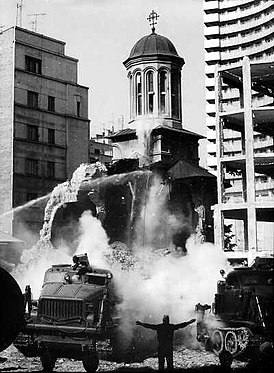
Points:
[(44, 126), (245, 176), (233, 29)]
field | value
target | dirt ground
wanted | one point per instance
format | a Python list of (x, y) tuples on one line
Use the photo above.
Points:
[(185, 360)]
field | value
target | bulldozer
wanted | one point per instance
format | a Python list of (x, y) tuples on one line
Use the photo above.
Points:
[(239, 323), (75, 313)]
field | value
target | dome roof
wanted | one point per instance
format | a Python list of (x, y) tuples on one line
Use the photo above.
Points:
[(154, 45)]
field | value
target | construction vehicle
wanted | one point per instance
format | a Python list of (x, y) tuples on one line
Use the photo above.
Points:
[(239, 323), (73, 315)]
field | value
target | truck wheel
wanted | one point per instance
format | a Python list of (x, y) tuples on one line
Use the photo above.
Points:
[(91, 363), (48, 362), (231, 344), (217, 340)]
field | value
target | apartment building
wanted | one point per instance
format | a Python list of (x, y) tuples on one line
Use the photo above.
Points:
[(234, 29), (44, 126), (100, 148)]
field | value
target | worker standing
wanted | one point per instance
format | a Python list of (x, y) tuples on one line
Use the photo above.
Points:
[(165, 333), (28, 300)]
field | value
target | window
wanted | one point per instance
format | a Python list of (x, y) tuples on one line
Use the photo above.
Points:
[(50, 169), (32, 167), (33, 65), (51, 103), (32, 133), (175, 93), (31, 196), (51, 136), (163, 91), (97, 151), (150, 92), (78, 108), (138, 81), (33, 99)]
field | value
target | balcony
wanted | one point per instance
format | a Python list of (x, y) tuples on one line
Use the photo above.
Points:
[(211, 43), (211, 18), (210, 108), (211, 122), (252, 36), (211, 30), (241, 13), (211, 5), (210, 134), (210, 69), (211, 161), (212, 56), (211, 148), (241, 26), (227, 3), (241, 52), (209, 82)]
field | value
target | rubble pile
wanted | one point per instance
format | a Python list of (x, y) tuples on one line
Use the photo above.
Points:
[(184, 359), (121, 256)]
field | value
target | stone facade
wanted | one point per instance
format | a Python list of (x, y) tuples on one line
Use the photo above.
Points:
[(44, 127)]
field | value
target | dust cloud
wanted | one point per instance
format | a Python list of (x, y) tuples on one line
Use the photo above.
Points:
[(160, 282)]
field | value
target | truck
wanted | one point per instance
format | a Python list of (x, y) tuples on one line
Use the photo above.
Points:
[(75, 313), (239, 323)]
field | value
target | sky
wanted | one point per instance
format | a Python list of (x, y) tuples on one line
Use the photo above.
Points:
[(101, 33)]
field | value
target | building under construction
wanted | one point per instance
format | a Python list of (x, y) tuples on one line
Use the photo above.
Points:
[(245, 172)]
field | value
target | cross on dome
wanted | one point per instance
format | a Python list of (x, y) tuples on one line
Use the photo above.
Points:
[(152, 18)]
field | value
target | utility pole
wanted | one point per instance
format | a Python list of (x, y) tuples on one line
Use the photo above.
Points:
[(19, 13), (35, 20)]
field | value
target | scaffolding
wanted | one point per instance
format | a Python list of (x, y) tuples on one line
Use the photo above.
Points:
[(245, 158)]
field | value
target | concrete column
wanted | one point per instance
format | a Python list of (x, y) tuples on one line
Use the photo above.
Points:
[(218, 214), (249, 156)]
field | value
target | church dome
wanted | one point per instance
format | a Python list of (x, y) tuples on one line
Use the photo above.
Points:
[(154, 45)]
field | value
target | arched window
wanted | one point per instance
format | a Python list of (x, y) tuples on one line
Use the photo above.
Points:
[(138, 81), (150, 92), (163, 92), (131, 95), (175, 76)]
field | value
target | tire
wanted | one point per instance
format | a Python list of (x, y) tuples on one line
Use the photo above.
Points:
[(91, 363), (217, 340), (231, 343), (48, 362)]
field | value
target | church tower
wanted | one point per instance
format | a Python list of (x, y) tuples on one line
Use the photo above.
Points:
[(155, 137), (154, 73)]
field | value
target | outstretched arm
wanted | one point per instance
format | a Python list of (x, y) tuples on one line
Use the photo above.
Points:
[(183, 324), (148, 326)]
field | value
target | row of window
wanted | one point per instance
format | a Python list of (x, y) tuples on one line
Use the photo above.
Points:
[(34, 65), (243, 20), (32, 134), (33, 102), (253, 4), (144, 95), (32, 168), (248, 32)]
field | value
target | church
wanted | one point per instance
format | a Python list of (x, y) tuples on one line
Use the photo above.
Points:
[(155, 138), (153, 154)]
